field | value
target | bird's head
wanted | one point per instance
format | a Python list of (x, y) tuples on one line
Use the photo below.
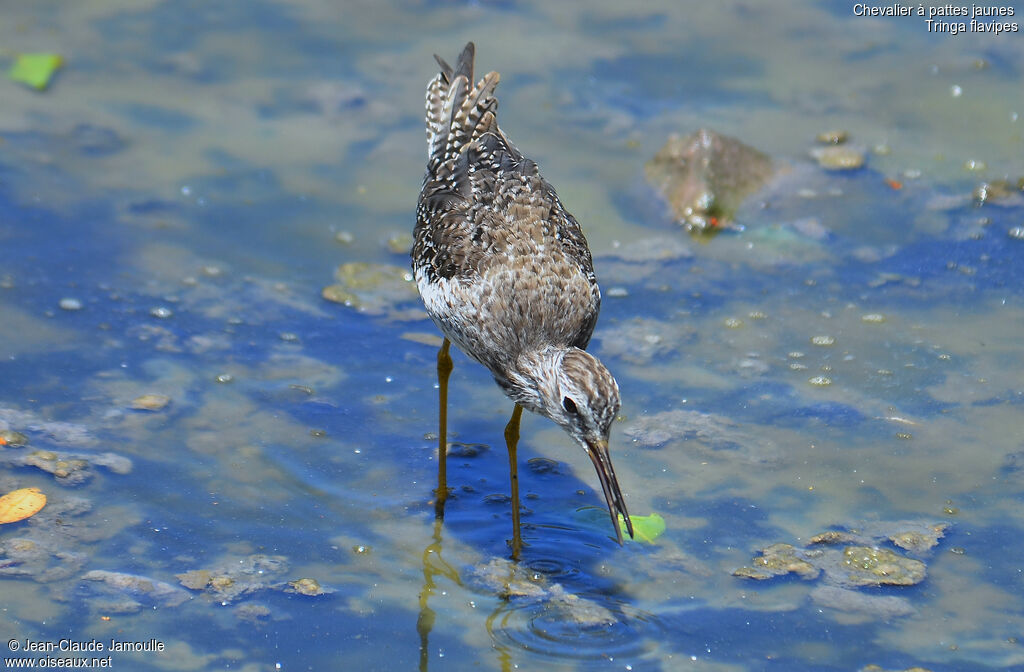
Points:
[(573, 388)]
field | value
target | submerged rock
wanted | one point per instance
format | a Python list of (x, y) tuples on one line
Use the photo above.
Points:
[(578, 610), (919, 542), (248, 575), (197, 579), (832, 137), (66, 469), (69, 468), (839, 157), (549, 600), (252, 613), (778, 560), (705, 177), (863, 561), (66, 433), (375, 289), (850, 559), (42, 560), (509, 580), (872, 566), (135, 588), (306, 586), (150, 402), (9, 437), (911, 535)]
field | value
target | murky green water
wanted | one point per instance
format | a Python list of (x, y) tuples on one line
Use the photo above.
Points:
[(173, 205)]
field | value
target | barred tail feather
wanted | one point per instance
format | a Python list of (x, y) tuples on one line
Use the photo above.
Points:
[(456, 114), (437, 93), (439, 98), (481, 107), (441, 142)]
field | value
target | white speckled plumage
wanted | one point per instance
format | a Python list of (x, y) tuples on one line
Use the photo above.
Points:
[(504, 270)]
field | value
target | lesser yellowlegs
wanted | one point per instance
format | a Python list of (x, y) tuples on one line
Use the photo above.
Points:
[(505, 273)]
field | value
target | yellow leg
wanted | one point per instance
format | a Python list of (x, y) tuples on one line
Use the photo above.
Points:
[(511, 441), (444, 369)]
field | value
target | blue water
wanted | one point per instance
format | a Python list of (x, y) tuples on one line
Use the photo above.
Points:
[(195, 174)]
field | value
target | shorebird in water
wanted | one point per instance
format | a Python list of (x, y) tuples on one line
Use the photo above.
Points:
[(505, 273)]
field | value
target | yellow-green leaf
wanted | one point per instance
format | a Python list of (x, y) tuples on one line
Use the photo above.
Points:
[(36, 70), (645, 528)]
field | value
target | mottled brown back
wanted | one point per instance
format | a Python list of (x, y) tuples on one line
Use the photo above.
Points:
[(491, 236)]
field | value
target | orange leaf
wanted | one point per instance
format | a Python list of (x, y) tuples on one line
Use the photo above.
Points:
[(20, 504)]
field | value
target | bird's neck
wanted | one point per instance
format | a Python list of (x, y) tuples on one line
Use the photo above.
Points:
[(532, 379)]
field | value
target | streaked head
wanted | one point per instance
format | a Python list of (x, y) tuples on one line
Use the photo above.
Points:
[(573, 388)]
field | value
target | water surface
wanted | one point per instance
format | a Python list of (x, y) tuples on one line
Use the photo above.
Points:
[(173, 205)]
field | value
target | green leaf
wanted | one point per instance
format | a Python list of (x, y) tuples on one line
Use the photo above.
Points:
[(645, 528), (36, 70)]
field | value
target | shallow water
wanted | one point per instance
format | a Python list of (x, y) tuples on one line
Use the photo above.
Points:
[(850, 360)]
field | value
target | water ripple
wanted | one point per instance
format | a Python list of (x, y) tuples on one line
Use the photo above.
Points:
[(582, 627)]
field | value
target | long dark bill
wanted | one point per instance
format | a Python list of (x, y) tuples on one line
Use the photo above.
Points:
[(602, 460)]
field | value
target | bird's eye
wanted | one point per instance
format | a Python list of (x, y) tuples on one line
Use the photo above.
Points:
[(570, 406)]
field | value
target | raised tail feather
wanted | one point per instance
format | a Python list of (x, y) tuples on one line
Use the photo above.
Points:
[(457, 114)]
